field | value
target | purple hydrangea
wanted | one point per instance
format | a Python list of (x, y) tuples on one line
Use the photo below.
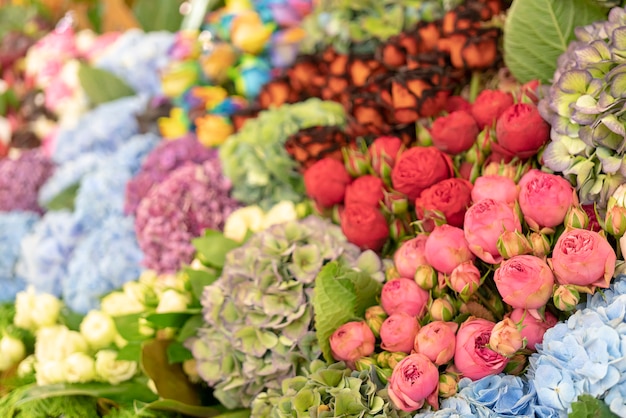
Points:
[(165, 158), (20, 180), (192, 198)]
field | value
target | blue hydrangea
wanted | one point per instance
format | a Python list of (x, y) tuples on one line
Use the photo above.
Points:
[(106, 259), (137, 58), (44, 252), (14, 226), (132, 153)]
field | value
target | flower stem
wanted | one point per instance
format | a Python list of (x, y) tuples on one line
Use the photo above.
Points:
[(474, 86)]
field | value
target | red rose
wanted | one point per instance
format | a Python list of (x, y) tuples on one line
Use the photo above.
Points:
[(365, 227), (454, 133), (365, 190), (520, 131), (418, 168), (489, 105), (326, 182), (455, 103), (451, 196), (383, 152)]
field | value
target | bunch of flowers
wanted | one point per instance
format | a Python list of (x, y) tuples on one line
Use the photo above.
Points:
[(583, 108), (21, 178), (252, 219), (258, 314)]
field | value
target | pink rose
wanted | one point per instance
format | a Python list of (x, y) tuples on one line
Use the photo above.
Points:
[(397, 333), (403, 295), (484, 222), (351, 341), (436, 340), (410, 256), (506, 338), (365, 190), (544, 199), (533, 328), (326, 182), (583, 258), (412, 382), (55, 93), (465, 278), (524, 281), (496, 187), (446, 248), (472, 357)]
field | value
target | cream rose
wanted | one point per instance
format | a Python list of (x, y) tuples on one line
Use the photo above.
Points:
[(111, 370)]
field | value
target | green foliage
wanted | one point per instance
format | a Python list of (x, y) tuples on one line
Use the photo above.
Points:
[(589, 407), (157, 15), (213, 247), (536, 32), (101, 86), (55, 407), (64, 200)]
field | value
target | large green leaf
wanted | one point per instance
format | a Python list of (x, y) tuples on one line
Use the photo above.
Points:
[(213, 247), (101, 86), (156, 15), (536, 32), (589, 407), (182, 408), (65, 199)]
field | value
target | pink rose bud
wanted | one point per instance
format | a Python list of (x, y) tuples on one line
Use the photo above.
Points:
[(441, 289), (398, 332), (576, 217), (584, 258), (512, 243), (448, 385), (326, 182), (426, 277), (520, 131), (540, 244), (524, 281), (397, 203), (436, 340), (495, 186), (489, 105), (356, 163), (465, 279), (413, 380), (544, 199), (374, 317), (472, 356), (455, 132), (484, 222), (410, 256), (533, 328), (565, 297), (506, 338), (446, 248), (499, 169), (442, 309), (615, 221), (352, 341), (403, 295)]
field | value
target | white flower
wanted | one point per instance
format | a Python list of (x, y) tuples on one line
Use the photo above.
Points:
[(26, 366), (99, 329), (283, 211), (48, 372), (243, 219), (111, 370), (12, 349), (139, 291), (119, 303), (34, 311), (79, 368), (173, 301), (55, 343)]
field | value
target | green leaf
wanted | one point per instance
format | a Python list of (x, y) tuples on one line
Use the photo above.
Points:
[(65, 199), (130, 352), (589, 407), (101, 86), (170, 405), (169, 319), (367, 291), (198, 279), (536, 32), (70, 318), (177, 353), (156, 15), (128, 327), (190, 328), (213, 247)]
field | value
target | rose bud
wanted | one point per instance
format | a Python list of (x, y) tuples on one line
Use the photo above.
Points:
[(497, 187), (584, 258), (365, 227), (390, 359), (383, 154), (448, 385), (489, 105), (615, 220), (498, 169), (446, 248), (528, 92), (455, 103), (374, 317), (455, 132), (384, 374), (352, 341), (465, 279), (594, 224), (399, 229), (506, 338), (364, 363), (398, 332), (484, 222), (410, 256), (413, 380), (524, 281), (472, 356), (540, 244), (326, 182), (426, 277), (512, 243), (365, 190), (403, 295), (436, 340), (533, 328), (450, 196), (418, 168), (396, 202), (576, 217), (565, 297), (356, 163), (544, 199), (520, 131), (441, 309)]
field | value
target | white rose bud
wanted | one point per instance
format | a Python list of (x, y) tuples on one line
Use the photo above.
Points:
[(79, 368), (118, 303), (5, 362), (46, 310), (57, 342), (111, 370), (173, 301), (48, 372), (26, 366), (243, 219), (281, 212), (12, 348), (138, 291), (24, 305), (99, 329)]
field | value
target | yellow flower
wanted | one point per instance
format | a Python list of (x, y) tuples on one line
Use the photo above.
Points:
[(212, 130), (174, 126), (233, 6), (211, 96), (249, 34), (216, 64), (178, 77)]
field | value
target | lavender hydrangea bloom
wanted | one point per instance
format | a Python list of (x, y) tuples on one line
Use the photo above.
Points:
[(21, 179), (106, 259), (137, 57), (46, 250), (164, 159), (13, 228), (192, 198)]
